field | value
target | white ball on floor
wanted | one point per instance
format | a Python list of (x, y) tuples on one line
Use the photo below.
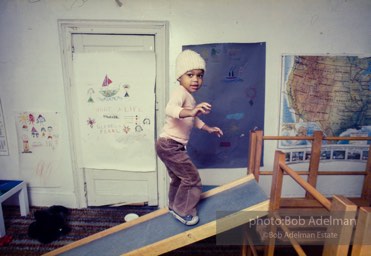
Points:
[(131, 216)]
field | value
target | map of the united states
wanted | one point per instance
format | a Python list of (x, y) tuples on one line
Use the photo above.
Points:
[(330, 93)]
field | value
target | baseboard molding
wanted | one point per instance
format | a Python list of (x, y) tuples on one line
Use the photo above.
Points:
[(49, 197)]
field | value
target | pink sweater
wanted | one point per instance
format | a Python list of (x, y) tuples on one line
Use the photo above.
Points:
[(177, 128)]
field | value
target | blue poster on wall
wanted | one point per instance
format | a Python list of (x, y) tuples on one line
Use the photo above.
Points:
[(234, 84)]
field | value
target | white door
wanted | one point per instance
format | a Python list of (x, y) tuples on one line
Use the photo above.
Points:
[(116, 186)]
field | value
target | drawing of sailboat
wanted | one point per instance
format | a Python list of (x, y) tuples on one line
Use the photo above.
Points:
[(106, 81), (232, 77), (106, 91)]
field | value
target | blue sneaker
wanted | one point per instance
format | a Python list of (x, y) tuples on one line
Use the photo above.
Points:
[(188, 220)]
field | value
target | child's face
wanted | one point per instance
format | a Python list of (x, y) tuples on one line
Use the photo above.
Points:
[(192, 80)]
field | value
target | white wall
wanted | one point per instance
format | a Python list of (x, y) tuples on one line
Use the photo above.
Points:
[(31, 71)]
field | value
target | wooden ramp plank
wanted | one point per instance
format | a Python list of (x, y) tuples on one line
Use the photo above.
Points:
[(159, 232)]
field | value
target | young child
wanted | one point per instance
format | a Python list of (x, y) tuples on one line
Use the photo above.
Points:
[(181, 115)]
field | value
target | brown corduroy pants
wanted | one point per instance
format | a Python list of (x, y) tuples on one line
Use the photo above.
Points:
[(185, 186)]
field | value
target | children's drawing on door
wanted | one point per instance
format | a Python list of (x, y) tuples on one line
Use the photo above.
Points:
[(116, 106)]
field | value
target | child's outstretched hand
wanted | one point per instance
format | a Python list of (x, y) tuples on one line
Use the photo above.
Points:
[(215, 130), (203, 108)]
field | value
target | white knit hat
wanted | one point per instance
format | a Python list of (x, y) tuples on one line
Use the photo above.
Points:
[(188, 60)]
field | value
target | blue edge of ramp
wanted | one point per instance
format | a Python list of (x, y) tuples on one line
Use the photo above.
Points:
[(231, 200)]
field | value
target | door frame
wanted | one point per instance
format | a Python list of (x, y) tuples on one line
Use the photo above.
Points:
[(159, 29)]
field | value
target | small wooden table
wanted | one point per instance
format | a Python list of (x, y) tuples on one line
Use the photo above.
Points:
[(9, 188)]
